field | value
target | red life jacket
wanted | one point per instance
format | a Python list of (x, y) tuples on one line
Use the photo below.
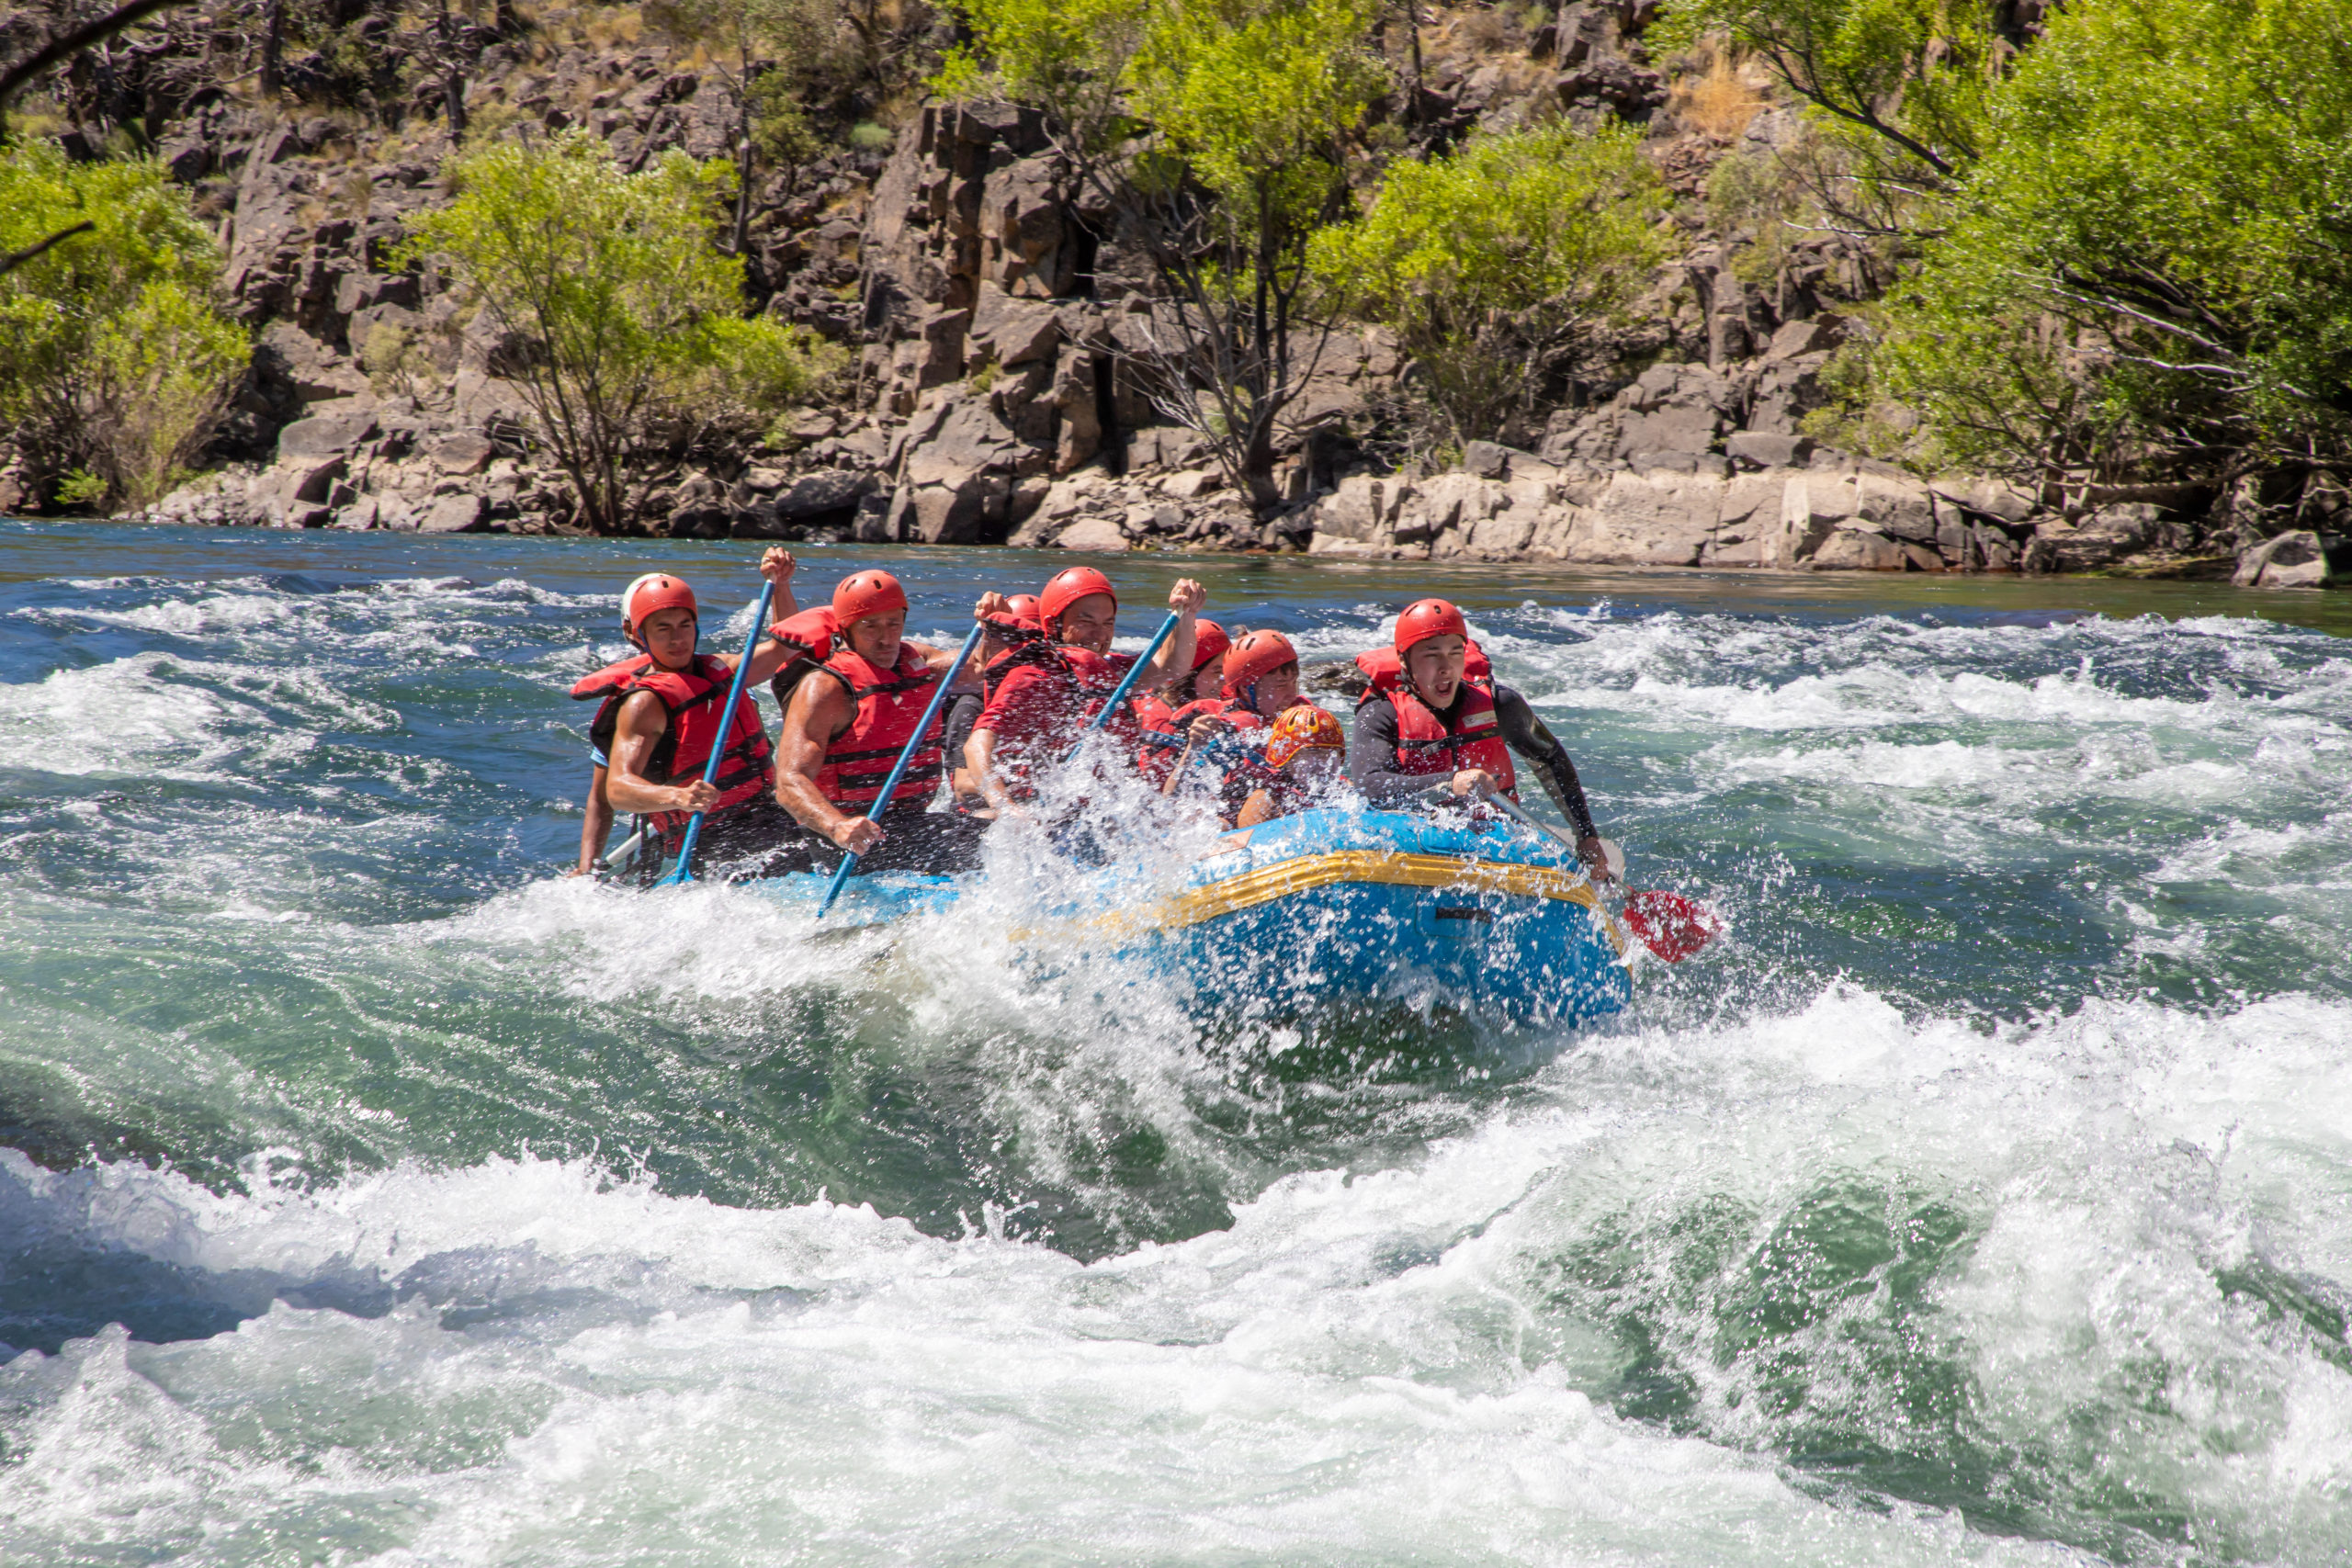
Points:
[(1387, 666), (1424, 745), (889, 705), (1078, 682), (691, 697), (807, 638)]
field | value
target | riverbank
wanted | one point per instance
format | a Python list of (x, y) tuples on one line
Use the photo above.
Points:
[(1785, 504)]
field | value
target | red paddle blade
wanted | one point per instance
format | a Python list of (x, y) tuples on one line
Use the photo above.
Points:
[(1669, 925)]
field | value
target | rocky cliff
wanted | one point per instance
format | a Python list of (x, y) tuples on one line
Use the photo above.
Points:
[(988, 309)]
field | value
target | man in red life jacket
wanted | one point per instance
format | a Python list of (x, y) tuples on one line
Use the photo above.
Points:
[(1039, 707), (1015, 625), (849, 720), (1430, 718), (1163, 738), (658, 723)]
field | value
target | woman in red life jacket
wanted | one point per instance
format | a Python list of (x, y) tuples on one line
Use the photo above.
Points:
[(849, 720), (1013, 626), (1434, 714), (658, 720), (1162, 738), (1038, 708), (1306, 755)]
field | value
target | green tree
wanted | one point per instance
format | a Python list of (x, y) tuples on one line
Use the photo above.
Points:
[(1220, 135), (1912, 77), (1491, 265), (114, 363), (626, 315), (2150, 268)]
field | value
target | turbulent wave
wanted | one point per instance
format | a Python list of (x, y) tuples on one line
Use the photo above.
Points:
[(370, 1194)]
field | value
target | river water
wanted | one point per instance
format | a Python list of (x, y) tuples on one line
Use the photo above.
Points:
[(373, 1194)]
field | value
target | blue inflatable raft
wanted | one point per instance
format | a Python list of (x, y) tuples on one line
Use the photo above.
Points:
[(1326, 905)]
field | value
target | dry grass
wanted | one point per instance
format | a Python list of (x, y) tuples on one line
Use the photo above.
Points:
[(616, 27), (1720, 103)]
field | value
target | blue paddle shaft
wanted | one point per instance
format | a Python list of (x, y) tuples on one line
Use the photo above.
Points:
[(1127, 684), (684, 870), (898, 768)]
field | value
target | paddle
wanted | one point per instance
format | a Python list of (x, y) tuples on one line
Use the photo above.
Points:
[(1669, 925), (1135, 673), (914, 744), (683, 872)]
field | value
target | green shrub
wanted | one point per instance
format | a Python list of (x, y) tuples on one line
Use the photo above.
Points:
[(114, 362), (628, 316), (1490, 264)]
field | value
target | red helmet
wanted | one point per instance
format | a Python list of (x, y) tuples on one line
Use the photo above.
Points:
[(1258, 655), (1209, 641), (654, 591), (1066, 588), (1428, 618), (1303, 727), (1024, 607), (867, 593)]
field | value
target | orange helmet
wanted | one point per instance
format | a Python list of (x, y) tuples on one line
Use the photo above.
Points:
[(1303, 727), (1066, 588), (654, 591), (1024, 607), (867, 593), (1256, 656), (1209, 641), (1428, 618)]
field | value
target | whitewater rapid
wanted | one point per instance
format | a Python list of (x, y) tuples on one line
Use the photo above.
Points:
[(1984, 1196)]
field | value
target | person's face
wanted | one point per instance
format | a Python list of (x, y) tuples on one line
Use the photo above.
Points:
[(669, 636), (1312, 769), (1092, 622), (1435, 664), (1277, 689), (875, 639)]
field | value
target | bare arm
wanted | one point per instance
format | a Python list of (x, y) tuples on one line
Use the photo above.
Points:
[(596, 828), (638, 729), (979, 755), (1174, 658), (821, 709)]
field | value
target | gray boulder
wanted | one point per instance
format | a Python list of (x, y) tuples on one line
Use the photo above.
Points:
[(2298, 559), (464, 513)]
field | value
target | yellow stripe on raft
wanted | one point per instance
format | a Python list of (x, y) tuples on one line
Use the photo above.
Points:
[(1392, 867)]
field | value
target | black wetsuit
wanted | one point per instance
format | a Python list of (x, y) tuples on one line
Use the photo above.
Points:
[(1372, 755)]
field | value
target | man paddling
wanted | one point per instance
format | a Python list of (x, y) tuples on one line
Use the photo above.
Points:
[(1040, 707), (1435, 715), (848, 721), (659, 722)]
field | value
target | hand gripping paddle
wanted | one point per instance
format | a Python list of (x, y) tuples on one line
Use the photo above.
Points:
[(914, 744), (1669, 925), (683, 872)]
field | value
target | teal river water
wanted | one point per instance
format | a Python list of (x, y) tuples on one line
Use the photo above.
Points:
[(371, 1194)]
